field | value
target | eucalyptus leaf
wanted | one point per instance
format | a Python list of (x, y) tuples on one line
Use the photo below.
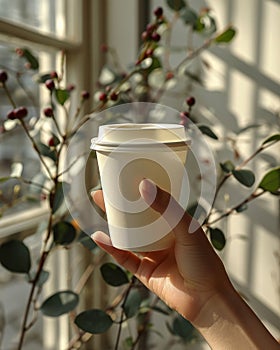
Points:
[(275, 137), (15, 256), (189, 16), (217, 238), (132, 303), (241, 208), (227, 166), (183, 328), (206, 130), (86, 241), (62, 95), (31, 59), (43, 277), (58, 197), (46, 151), (64, 233), (113, 274), (271, 181), (176, 5), (244, 176), (226, 36), (60, 303), (94, 321)]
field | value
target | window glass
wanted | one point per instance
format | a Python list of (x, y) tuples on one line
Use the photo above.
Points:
[(33, 13), (17, 155)]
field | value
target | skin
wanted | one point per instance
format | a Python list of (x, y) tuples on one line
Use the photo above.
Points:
[(191, 279)]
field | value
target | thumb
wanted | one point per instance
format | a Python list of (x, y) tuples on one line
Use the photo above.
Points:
[(178, 219)]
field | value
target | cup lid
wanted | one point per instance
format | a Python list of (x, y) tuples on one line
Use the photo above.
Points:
[(144, 135)]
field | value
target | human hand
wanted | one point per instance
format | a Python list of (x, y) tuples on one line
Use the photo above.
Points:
[(184, 276)]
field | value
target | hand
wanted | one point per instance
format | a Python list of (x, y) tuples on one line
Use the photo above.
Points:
[(187, 274), (191, 279)]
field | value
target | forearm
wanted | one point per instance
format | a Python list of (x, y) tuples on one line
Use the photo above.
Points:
[(227, 323)]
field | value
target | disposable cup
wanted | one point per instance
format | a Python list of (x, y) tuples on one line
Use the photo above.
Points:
[(127, 154)]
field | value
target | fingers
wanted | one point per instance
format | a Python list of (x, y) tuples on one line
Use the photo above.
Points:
[(98, 198), (125, 258)]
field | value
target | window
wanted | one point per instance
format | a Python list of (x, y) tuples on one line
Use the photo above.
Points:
[(45, 28), (24, 24)]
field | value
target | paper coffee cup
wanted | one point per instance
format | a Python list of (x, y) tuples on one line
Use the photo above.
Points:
[(127, 154)]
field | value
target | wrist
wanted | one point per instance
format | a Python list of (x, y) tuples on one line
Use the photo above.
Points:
[(227, 322)]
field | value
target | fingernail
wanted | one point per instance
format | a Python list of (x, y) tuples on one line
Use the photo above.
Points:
[(101, 237), (148, 190)]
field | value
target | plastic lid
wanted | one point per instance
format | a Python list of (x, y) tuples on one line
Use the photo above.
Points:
[(144, 135)]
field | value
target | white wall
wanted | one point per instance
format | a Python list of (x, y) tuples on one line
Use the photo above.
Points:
[(242, 87)]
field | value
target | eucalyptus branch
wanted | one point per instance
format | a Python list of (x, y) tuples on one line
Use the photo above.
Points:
[(253, 196), (132, 282), (27, 92), (9, 95), (36, 148), (238, 167)]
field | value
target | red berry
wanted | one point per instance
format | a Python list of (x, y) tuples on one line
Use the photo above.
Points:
[(70, 87), (85, 95), (150, 27), (51, 142), (19, 52), (114, 96), (145, 36), (48, 112), (184, 115), (156, 36), (11, 115), (50, 84), (149, 52), (104, 48), (3, 76), (190, 101), (158, 12), (53, 75), (102, 97), (20, 112), (169, 75)]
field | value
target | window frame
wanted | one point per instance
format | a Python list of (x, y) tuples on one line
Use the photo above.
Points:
[(77, 52)]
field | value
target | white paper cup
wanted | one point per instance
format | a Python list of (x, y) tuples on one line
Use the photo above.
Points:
[(126, 154)]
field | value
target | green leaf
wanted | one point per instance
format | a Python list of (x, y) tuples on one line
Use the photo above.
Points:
[(64, 233), (28, 55), (58, 197), (94, 321), (207, 131), (4, 179), (46, 151), (183, 328), (132, 303), (271, 181), (113, 274), (241, 208), (43, 78), (227, 166), (217, 238), (275, 137), (43, 277), (60, 303), (62, 96), (244, 176), (15, 256), (176, 5), (226, 36), (189, 16), (86, 241)]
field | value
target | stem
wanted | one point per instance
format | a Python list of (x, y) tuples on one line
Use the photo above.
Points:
[(123, 314), (9, 95), (231, 210), (35, 147)]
